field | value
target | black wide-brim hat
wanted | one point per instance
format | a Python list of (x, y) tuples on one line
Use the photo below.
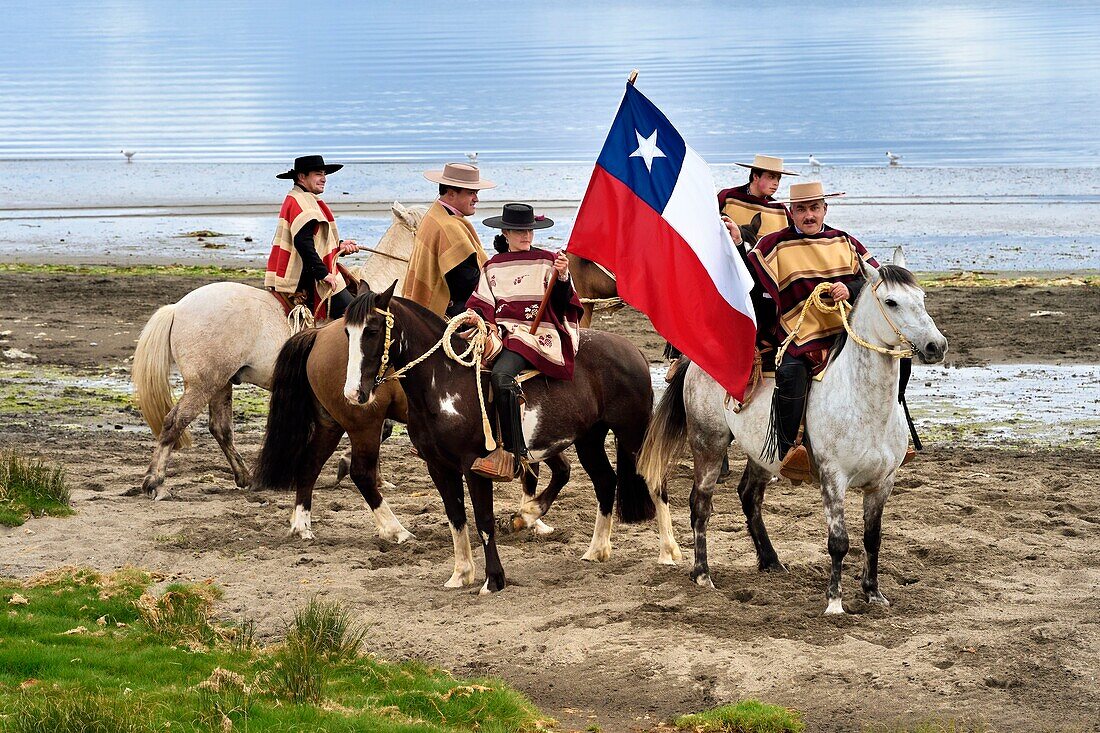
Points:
[(518, 216), (308, 164)]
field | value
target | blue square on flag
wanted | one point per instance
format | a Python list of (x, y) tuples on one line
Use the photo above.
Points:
[(643, 150)]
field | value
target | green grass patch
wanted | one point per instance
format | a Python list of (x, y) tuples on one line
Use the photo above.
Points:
[(967, 279), (747, 716), (84, 652), (207, 271), (30, 488)]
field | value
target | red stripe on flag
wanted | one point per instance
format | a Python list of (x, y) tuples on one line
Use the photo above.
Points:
[(658, 273)]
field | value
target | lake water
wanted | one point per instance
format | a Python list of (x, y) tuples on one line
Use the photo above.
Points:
[(942, 83)]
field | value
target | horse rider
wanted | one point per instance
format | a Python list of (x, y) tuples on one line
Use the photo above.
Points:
[(740, 204), (306, 244), (788, 265), (447, 255), (509, 293)]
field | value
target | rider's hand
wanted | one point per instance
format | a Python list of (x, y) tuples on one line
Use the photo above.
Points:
[(733, 229), (839, 292), (348, 246), (331, 280), (561, 265)]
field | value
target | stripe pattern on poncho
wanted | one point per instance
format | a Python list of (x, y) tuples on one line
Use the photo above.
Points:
[(508, 294), (741, 206), (443, 241), (789, 265), (284, 264)]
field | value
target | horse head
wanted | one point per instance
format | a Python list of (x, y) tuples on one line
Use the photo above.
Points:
[(901, 315), (369, 327), (750, 233)]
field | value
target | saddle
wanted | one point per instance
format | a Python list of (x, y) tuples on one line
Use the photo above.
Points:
[(308, 300), (764, 368)]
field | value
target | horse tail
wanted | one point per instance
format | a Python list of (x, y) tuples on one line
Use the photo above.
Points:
[(667, 432), (149, 373), (632, 497), (291, 419)]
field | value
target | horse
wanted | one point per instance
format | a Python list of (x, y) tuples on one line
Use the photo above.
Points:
[(223, 334), (856, 426), (309, 414), (610, 391), (594, 283)]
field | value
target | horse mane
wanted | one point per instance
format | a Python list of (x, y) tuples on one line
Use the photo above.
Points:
[(360, 309), (897, 275)]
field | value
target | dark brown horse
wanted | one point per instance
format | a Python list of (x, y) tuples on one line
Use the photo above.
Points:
[(610, 391), (593, 283)]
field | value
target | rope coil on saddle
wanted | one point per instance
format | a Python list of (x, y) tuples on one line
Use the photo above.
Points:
[(470, 357)]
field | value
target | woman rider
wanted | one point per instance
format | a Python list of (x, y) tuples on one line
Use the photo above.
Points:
[(509, 291)]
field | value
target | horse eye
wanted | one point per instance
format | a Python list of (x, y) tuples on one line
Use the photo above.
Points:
[(891, 302)]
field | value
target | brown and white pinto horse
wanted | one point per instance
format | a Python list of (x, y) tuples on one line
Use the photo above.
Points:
[(610, 391)]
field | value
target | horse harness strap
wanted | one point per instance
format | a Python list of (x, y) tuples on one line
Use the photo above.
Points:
[(471, 357)]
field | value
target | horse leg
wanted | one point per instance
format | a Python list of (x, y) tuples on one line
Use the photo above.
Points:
[(590, 450), (533, 507), (326, 437), (449, 484), (364, 473), (586, 315), (175, 422), (706, 457), (832, 494), (751, 490), (874, 500), (221, 427), (481, 497), (343, 467)]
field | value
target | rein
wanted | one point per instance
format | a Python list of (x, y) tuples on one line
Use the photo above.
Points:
[(844, 309), (471, 357)]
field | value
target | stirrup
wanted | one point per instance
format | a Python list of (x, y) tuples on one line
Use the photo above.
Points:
[(499, 465), (796, 465), (910, 454)]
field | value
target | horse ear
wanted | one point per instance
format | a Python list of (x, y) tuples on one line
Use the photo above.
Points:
[(870, 274), (400, 213), (382, 302), (898, 258), (754, 225)]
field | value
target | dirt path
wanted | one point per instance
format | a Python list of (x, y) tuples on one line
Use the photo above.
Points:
[(990, 557)]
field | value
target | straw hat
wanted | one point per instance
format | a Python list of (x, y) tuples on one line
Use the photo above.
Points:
[(459, 175), (809, 191), (768, 163), (518, 216)]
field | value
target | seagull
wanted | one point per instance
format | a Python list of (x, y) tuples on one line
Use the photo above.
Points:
[(472, 157), (129, 155), (893, 157), (814, 162)]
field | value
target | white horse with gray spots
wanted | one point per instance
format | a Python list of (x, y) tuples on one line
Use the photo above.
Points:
[(856, 426)]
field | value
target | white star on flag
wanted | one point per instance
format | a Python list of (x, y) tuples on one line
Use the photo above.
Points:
[(647, 149)]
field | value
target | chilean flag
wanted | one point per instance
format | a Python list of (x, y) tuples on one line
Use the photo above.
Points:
[(650, 216)]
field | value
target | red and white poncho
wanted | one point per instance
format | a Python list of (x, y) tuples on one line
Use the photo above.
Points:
[(508, 295)]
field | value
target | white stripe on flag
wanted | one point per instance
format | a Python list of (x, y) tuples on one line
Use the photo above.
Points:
[(692, 211)]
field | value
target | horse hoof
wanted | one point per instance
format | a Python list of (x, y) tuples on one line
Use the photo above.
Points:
[(670, 556), (835, 608), (460, 579), (400, 537), (343, 468), (542, 528), (387, 486), (601, 554), (773, 567), (161, 493), (703, 580), (877, 599), (492, 585)]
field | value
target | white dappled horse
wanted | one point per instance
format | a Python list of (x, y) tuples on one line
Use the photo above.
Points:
[(223, 334), (856, 426)]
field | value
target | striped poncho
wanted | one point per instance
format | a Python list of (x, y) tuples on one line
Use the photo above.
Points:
[(443, 241), (741, 206), (789, 265), (508, 294), (284, 264)]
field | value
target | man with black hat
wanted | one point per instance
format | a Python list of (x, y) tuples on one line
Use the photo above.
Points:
[(306, 244)]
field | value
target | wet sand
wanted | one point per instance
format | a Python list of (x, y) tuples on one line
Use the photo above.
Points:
[(989, 556)]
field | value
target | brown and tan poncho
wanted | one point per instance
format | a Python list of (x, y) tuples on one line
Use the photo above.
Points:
[(789, 265), (284, 264), (511, 287), (443, 241), (741, 206)]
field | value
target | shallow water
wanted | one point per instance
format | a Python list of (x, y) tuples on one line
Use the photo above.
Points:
[(998, 403), (939, 82)]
